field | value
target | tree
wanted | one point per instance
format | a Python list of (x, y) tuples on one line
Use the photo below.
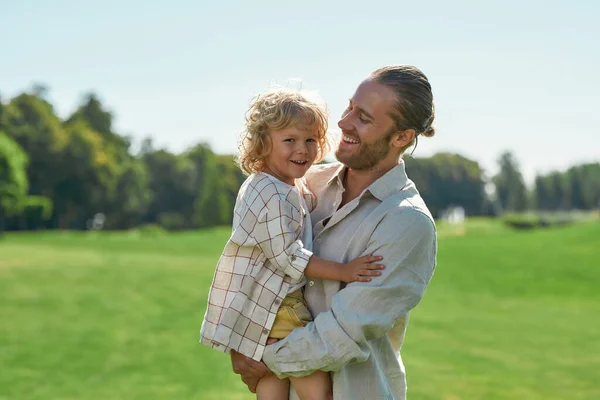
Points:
[(92, 111), (13, 178), (211, 205), (577, 188), (173, 189), (446, 180), (120, 181), (585, 186), (89, 173), (231, 178), (510, 187), (542, 193), (32, 123), (132, 197)]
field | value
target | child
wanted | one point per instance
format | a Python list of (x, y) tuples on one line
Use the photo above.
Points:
[(256, 291)]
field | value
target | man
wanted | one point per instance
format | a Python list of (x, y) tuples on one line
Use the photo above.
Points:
[(366, 205)]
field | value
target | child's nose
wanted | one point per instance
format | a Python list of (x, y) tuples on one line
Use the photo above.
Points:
[(302, 149)]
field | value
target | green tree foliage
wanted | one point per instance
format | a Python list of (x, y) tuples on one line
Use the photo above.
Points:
[(212, 205), (13, 177), (89, 176), (448, 180), (511, 191), (92, 111), (173, 187), (587, 180), (231, 178), (132, 197), (118, 181), (32, 123), (576, 188)]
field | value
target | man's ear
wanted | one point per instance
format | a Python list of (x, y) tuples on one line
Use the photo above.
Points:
[(402, 138)]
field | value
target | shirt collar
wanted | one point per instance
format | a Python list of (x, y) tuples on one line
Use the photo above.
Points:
[(391, 182), (338, 174)]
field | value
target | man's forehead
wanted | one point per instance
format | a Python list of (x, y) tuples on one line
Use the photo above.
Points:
[(374, 97)]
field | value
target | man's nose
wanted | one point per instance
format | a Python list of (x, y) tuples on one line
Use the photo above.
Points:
[(344, 123)]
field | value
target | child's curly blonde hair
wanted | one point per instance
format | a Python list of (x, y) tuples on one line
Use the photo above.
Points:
[(275, 110)]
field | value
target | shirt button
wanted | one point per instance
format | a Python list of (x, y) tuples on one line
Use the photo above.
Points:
[(277, 302), (265, 331), (319, 240), (311, 283), (293, 258)]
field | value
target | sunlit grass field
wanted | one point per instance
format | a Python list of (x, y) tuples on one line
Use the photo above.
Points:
[(508, 315)]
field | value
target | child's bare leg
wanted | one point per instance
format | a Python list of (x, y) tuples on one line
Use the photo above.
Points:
[(313, 387), (272, 388)]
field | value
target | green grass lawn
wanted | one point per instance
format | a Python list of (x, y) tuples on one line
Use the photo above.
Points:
[(508, 315)]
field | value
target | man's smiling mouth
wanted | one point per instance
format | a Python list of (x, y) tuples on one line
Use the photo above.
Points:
[(348, 139)]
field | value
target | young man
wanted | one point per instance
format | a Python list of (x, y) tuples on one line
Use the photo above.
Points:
[(366, 205)]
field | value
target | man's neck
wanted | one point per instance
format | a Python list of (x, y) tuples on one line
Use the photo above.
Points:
[(356, 181)]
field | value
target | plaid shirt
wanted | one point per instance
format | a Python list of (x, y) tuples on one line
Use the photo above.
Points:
[(263, 256)]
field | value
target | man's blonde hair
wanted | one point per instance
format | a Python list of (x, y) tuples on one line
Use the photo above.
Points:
[(275, 110)]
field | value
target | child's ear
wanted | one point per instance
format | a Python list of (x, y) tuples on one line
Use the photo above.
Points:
[(402, 138)]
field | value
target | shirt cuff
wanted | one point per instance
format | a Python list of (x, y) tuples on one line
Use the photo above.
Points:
[(298, 262), (270, 359)]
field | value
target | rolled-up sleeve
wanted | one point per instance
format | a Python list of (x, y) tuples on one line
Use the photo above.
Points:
[(364, 311), (276, 232)]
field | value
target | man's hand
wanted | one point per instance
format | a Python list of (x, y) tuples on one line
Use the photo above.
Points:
[(251, 371)]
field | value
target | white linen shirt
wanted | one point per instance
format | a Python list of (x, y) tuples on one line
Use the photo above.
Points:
[(263, 256), (359, 329)]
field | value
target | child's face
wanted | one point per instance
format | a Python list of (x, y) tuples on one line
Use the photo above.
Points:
[(293, 151)]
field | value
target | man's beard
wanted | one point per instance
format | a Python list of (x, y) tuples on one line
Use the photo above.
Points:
[(369, 154)]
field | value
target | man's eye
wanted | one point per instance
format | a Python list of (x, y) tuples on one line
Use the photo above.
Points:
[(364, 121)]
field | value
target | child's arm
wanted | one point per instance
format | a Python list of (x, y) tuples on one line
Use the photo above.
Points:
[(360, 269), (275, 231)]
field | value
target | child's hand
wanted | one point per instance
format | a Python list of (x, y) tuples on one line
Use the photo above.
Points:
[(361, 269)]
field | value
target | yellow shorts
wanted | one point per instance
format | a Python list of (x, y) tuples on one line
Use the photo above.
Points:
[(292, 314)]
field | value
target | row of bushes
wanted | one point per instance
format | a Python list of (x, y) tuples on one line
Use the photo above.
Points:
[(544, 220), (38, 209)]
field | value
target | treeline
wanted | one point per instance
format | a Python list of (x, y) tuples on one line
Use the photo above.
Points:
[(63, 173), (577, 188)]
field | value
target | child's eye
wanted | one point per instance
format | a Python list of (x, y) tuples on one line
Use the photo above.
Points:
[(311, 140), (289, 140)]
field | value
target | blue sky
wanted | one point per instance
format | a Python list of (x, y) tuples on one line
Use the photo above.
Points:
[(516, 75)]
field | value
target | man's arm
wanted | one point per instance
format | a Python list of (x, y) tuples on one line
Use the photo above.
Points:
[(364, 311)]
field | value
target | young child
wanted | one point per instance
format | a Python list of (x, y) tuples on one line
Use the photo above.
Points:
[(256, 291)]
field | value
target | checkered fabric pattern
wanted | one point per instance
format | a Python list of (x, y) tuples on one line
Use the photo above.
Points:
[(263, 256)]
